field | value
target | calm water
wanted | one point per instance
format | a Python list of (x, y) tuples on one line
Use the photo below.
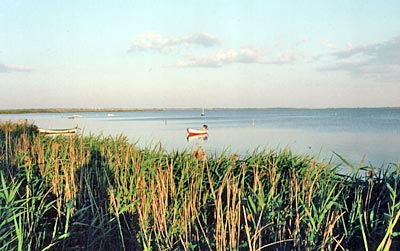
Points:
[(353, 133)]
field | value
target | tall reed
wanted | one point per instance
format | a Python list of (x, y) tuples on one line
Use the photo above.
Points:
[(99, 193)]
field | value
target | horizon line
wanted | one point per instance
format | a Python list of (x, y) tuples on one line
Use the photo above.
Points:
[(110, 109)]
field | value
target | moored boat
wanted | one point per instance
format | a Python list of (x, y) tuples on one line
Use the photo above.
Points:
[(202, 131), (68, 131), (75, 116)]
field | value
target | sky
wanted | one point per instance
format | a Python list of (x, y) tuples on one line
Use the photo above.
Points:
[(188, 54)]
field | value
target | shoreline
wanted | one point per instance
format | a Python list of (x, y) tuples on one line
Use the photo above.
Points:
[(71, 110)]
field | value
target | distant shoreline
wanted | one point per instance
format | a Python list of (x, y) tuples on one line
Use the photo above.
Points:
[(111, 110), (71, 110)]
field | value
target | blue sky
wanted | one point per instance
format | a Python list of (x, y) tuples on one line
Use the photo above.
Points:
[(179, 54)]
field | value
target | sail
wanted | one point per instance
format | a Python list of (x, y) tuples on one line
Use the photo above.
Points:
[(202, 112)]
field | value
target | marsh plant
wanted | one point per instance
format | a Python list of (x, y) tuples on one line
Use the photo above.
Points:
[(105, 193)]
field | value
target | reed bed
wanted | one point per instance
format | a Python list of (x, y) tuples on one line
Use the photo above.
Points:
[(104, 193)]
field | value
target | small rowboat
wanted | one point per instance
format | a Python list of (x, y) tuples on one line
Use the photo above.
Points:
[(75, 116), (202, 131), (69, 131)]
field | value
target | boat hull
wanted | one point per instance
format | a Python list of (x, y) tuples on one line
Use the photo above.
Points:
[(194, 132), (58, 131)]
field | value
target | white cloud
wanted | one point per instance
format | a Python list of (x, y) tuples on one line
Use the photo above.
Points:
[(380, 61), (151, 41), (14, 68), (204, 39), (286, 58), (245, 55), (154, 41), (329, 45)]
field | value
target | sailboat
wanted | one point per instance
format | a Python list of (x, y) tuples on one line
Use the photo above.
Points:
[(202, 112)]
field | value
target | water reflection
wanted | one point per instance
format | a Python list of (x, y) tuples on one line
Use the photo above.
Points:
[(202, 137)]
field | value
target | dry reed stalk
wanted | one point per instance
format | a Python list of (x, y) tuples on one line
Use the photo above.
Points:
[(328, 235), (143, 209), (114, 203), (187, 210), (233, 213), (228, 212), (159, 192), (55, 185), (221, 228), (254, 238), (38, 149), (295, 190)]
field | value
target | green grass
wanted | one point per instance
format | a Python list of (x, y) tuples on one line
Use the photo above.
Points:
[(103, 193)]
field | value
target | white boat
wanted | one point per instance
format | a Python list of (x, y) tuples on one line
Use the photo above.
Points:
[(68, 131), (202, 131)]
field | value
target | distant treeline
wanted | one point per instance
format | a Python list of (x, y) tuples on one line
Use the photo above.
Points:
[(71, 110), (80, 110)]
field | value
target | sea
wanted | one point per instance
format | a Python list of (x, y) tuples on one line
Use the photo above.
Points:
[(362, 136)]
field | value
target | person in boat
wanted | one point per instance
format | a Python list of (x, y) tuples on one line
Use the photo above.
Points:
[(205, 127)]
